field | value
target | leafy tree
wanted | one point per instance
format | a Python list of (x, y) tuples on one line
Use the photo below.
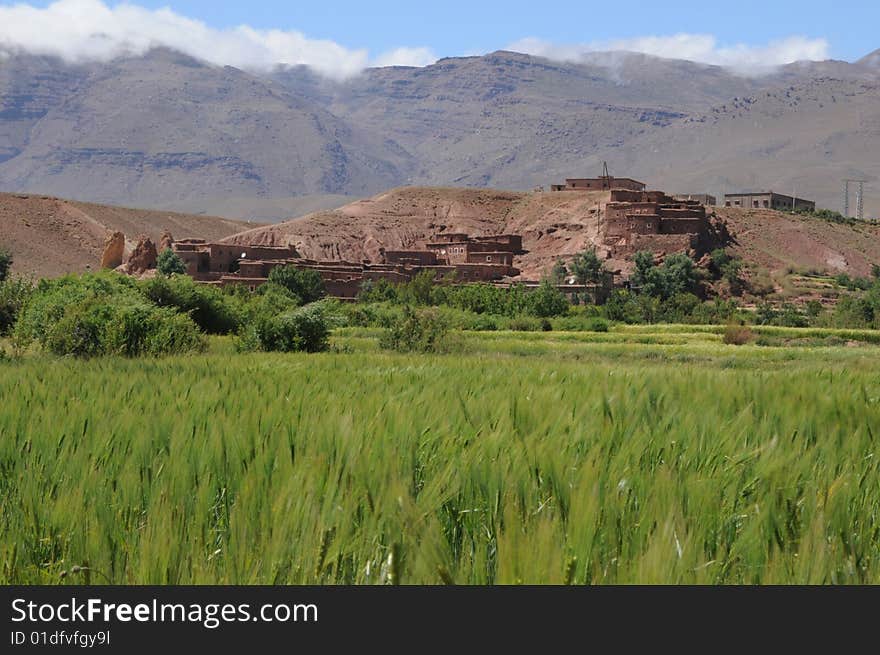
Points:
[(306, 284), (587, 268), (418, 291), (380, 290), (547, 301), (644, 262), (559, 272), (169, 263), (14, 292), (875, 271), (676, 275), (5, 263), (728, 267)]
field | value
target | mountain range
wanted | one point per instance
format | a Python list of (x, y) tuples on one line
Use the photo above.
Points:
[(171, 132)]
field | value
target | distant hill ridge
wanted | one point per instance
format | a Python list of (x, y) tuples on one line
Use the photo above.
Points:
[(167, 131), (51, 236)]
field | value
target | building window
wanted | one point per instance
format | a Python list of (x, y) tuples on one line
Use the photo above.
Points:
[(488, 258), (766, 203)]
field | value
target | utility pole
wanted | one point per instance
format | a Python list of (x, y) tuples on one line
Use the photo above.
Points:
[(860, 198)]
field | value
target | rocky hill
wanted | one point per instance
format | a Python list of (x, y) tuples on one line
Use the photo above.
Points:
[(49, 236), (167, 131)]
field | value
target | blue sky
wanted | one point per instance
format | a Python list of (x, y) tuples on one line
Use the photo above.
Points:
[(366, 32)]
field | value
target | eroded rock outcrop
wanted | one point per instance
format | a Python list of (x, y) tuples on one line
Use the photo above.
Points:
[(114, 250), (165, 241), (142, 257)]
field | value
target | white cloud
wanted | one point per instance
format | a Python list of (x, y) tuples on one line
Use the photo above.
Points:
[(406, 57), (703, 48), (89, 30)]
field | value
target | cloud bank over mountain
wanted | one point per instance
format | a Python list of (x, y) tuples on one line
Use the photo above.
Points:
[(702, 48), (92, 30)]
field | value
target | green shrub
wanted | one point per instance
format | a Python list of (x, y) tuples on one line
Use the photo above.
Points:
[(5, 263), (596, 324), (484, 323), (306, 284), (380, 290), (524, 324), (482, 298), (51, 299), (304, 329), (102, 327), (419, 290), (79, 332), (169, 263), (737, 335), (547, 301), (213, 311), (14, 293), (420, 330), (102, 314)]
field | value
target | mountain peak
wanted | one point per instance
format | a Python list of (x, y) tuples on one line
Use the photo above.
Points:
[(872, 59)]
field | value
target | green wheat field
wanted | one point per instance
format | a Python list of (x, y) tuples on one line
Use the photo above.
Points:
[(654, 454)]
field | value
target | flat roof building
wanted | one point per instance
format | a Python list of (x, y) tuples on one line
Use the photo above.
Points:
[(703, 198), (602, 183), (767, 200)]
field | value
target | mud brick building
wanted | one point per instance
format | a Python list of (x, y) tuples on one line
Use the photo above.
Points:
[(206, 260), (651, 220), (601, 183), (703, 198), (455, 257)]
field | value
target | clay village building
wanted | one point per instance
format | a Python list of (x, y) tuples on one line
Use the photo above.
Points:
[(601, 183), (767, 200), (703, 198), (455, 256), (651, 220), (630, 219)]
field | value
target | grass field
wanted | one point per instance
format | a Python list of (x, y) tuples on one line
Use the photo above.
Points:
[(642, 455)]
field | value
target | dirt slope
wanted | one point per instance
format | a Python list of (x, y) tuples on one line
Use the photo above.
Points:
[(50, 237), (776, 241), (553, 225)]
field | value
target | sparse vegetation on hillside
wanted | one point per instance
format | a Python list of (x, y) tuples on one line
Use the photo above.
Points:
[(827, 215)]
